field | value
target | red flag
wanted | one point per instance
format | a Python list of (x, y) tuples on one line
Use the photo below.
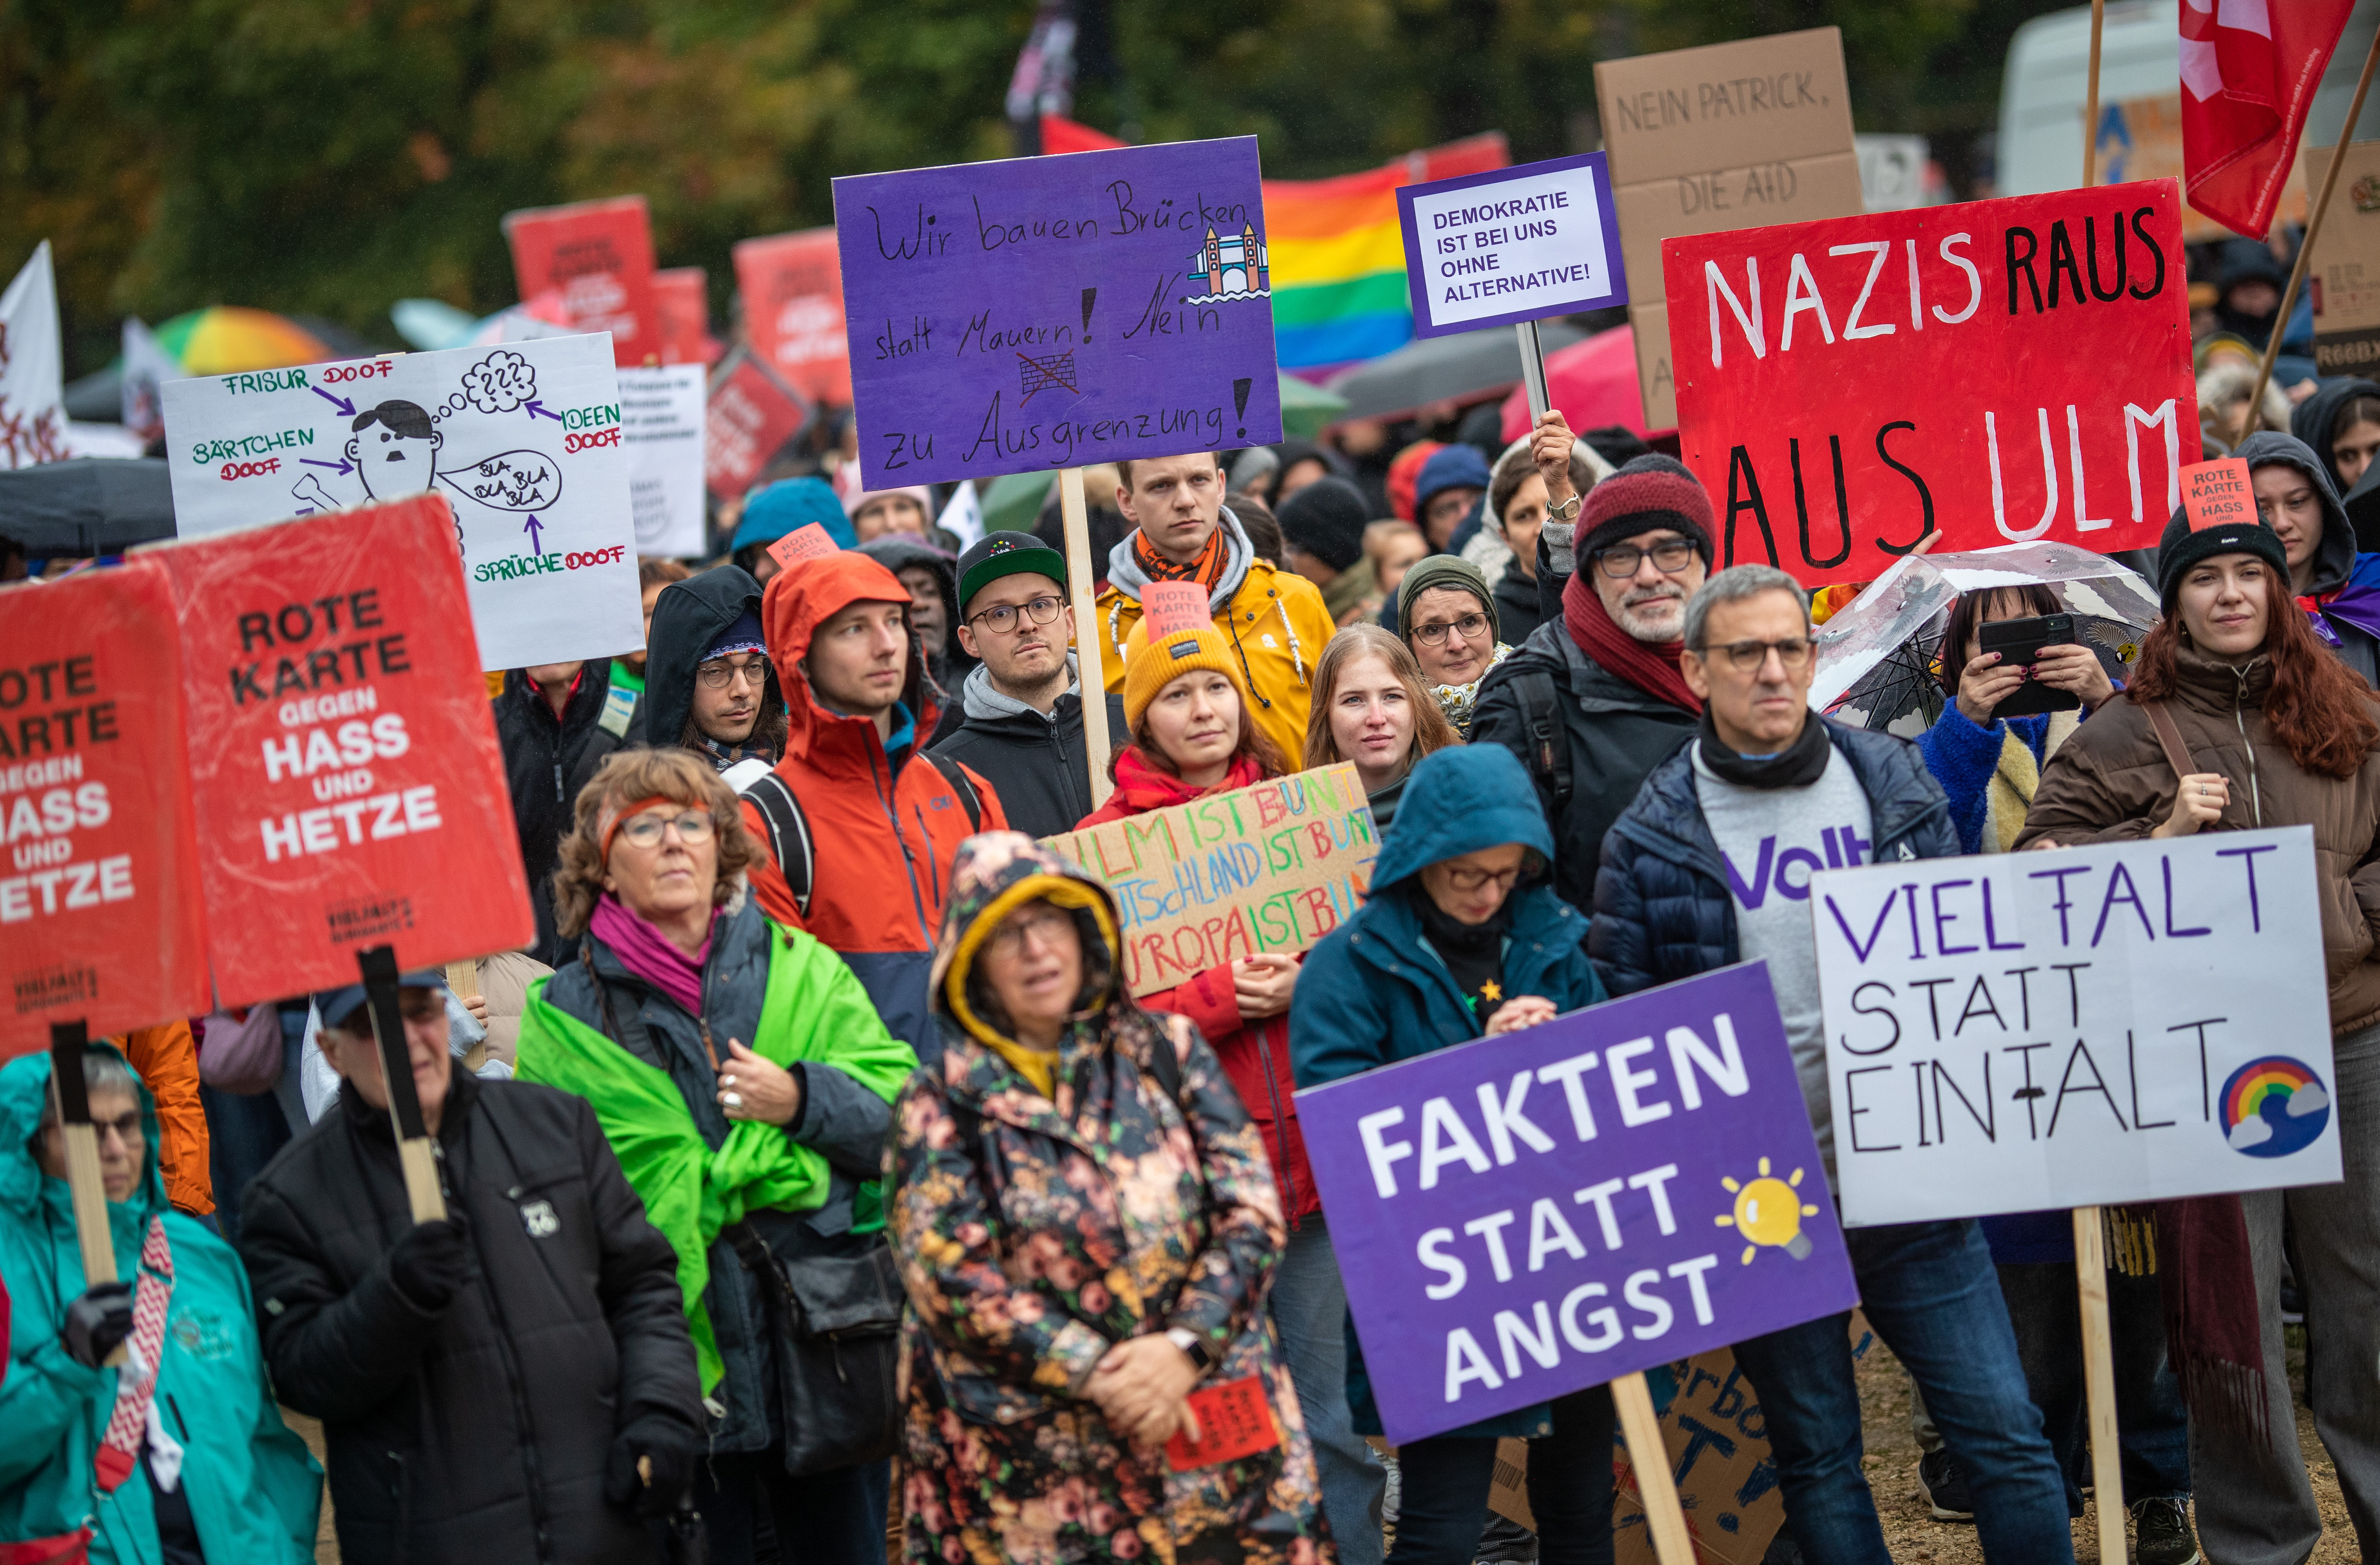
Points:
[(2249, 70), (1060, 134)]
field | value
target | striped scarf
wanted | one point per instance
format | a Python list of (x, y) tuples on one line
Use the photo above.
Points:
[(136, 1382), (1207, 570)]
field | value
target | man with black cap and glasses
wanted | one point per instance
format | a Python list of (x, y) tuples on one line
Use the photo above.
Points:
[(1018, 721), (514, 1381)]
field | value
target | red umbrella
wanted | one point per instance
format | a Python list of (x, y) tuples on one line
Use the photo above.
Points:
[(1592, 382)]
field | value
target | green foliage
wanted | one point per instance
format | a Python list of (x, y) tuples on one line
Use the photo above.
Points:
[(330, 156)]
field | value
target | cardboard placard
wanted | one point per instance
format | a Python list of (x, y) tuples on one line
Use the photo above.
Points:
[(97, 920), (1734, 135), (590, 264), (2115, 1023), (348, 789), (2343, 275), (2218, 494), (1058, 313), (1495, 1207), (792, 285), (811, 543), (1170, 606), (525, 439), (2001, 370), (661, 426), (1513, 245), (1235, 1420), (1270, 867), (752, 414)]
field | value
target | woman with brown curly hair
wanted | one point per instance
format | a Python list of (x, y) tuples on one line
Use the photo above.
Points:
[(2273, 731), (743, 1077)]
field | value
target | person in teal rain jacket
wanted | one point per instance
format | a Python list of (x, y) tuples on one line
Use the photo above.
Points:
[(1463, 938), (207, 1470)]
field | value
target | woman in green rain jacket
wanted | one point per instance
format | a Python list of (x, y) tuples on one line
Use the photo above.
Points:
[(205, 1461)]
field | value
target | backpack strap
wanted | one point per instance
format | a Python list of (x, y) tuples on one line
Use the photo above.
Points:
[(1548, 744), (789, 835), (2176, 754), (961, 785)]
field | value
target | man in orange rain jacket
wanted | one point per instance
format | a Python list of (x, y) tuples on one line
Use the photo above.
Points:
[(858, 828)]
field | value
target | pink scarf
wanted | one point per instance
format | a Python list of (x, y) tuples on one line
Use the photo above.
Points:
[(650, 955)]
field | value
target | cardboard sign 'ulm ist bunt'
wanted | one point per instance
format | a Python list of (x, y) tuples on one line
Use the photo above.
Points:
[(2002, 370), (344, 763)]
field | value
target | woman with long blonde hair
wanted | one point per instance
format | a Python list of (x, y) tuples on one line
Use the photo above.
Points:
[(1371, 709)]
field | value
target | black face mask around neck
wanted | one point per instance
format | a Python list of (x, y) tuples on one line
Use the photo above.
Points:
[(1799, 765)]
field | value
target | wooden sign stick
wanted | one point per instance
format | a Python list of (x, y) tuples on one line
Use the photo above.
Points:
[(1089, 658), (68, 1040), (2091, 101), (1648, 1455), (413, 1150), (2099, 1384)]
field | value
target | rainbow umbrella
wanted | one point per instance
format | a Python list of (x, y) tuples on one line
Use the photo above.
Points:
[(224, 339)]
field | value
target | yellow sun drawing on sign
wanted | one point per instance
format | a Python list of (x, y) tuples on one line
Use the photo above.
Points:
[(1769, 1211)]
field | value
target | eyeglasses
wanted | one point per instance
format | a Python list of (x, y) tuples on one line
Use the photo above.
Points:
[(1470, 627), (1620, 562), (1747, 657), (1477, 880), (1003, 620), (1042, 925), (753, 670), (127, 1130), (644, 830)]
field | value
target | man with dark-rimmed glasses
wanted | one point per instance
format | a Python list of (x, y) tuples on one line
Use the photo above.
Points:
[(708, 684), (1593, 700), (1022, 729)]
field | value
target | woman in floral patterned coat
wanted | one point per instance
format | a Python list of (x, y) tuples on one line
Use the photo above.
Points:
[(1087, 1245)]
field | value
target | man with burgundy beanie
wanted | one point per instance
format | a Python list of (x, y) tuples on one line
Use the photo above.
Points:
[(1593, 701)]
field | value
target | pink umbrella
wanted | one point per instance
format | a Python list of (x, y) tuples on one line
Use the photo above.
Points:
[(1592, 382)]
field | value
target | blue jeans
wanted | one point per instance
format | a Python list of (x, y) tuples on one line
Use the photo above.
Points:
[(2152, 1424), (1932, 1293), (1309, 1309)]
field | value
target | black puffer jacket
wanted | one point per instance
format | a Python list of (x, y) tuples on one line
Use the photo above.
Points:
[(1037, 765), (1662, 911), (1518, 612), (546, 763), (687, 617), (480, 1433), (1617, 735)]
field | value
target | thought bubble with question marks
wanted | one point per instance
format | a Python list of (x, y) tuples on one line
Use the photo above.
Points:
[(498, 383)]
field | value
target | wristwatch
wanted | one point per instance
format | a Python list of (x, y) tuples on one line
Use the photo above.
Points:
[(1193, 1347), (1567, 511)]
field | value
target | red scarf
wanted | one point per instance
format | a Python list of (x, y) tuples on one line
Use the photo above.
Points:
[(1652, 667), (1206, 570), (1141, 787)]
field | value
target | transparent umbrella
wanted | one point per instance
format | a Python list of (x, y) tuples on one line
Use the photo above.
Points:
[(1879, 658)]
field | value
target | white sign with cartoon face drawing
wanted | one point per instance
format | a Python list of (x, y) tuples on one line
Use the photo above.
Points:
[(524, 439)]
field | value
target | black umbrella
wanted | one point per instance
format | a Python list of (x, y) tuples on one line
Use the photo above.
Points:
[(1466, 367), (86, 506)]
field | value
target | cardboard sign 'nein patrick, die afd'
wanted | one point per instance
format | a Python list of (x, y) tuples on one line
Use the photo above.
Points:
[(344, 763)]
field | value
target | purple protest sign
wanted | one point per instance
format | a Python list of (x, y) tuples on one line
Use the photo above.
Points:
[(1525, 1216), (1058, 311), (1512, 245)]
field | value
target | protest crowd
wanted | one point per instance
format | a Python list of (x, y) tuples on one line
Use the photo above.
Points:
[(865, 1150)]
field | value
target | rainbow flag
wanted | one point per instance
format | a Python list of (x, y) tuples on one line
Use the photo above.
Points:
[(1338, 255)]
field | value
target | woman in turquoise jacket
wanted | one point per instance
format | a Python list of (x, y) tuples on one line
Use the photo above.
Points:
[(205, 1460), (1462, 938)]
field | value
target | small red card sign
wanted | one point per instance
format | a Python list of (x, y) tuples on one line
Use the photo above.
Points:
[(1169, 606), (1235, 1420), (811, 543), (2217, 494)]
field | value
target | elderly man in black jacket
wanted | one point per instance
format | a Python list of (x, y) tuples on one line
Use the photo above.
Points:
[(1019, 718), (513, 1383)]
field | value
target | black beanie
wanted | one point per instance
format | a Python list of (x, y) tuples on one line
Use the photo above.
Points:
[(1327, 519), (2182, 548)]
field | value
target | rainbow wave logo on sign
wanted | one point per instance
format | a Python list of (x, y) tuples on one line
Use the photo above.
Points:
[(2273, 1107)]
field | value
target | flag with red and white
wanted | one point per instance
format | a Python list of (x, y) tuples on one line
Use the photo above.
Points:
[(2249, 70)]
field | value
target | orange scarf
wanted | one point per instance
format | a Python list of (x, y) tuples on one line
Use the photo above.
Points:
[(1207, 570)]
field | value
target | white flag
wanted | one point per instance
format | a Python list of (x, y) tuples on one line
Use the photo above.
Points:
[(32, 370), (148, 364), (962, 517)]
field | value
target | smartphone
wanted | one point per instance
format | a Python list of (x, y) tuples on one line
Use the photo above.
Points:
[(2021, 641)]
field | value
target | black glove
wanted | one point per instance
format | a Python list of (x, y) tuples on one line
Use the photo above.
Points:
[(669, 1444), (429, 1263), (97, 1324)]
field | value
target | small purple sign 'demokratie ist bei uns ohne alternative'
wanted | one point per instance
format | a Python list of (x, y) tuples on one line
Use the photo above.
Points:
[(1058, 311), (1523, 1216)]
